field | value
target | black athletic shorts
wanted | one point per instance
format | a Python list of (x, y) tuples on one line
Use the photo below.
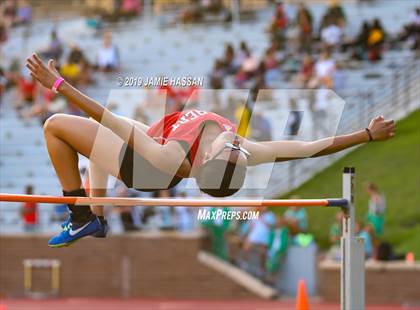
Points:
[(136, 172)]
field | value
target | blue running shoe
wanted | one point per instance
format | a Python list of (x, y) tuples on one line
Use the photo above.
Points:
[(102, 232), (75, 231)]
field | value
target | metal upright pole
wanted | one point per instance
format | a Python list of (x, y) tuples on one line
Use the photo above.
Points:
[(352, 252)]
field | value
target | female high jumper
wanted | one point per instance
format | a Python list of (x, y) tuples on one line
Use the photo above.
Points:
[(192, 143)]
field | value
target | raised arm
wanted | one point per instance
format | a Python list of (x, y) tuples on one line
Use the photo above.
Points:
[(379, 129), (166, 157)]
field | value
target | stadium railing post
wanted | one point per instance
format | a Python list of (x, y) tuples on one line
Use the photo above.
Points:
[(352, 284)]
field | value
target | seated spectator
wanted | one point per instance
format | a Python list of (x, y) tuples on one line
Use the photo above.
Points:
[(331, 34), (242, 54), (24, 13), (324, 69), (360, 44), (411, 31), (249, 66), (335, 14), (279, 25), (3, 32), (306, 71), (27, 90), (46, 104), (54, 49), (108, 55), (228, 59), (217, 75), (71, 71), (3, 83), (9, 13), (30, 212), (270, 69), (304, 22), (375, 41), (130, 8), (278, 244), (77, 69)]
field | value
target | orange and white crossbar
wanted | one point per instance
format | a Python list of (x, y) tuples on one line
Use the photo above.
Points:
[(122, 201)]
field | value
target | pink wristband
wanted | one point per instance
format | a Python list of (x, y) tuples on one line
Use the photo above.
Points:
[(57, 84)]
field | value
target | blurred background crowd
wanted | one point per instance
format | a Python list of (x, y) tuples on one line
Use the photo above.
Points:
[(294, 45)]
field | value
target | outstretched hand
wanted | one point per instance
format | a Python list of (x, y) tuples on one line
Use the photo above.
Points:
[(382, 129), (46, 75)]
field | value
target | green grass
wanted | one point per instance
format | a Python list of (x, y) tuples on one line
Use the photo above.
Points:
[(394, 166)]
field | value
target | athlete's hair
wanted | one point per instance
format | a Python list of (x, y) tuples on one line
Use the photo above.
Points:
[(220, 178)]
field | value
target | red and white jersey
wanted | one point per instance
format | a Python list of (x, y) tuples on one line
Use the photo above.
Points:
[(186, 126)]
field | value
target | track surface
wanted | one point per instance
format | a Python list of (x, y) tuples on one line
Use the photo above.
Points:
[(135, 304)]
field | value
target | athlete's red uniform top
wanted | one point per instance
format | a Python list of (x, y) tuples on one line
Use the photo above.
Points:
[(186, 126)]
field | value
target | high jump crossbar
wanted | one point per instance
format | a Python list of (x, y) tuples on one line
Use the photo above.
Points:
[(352, 286), (123, 201)]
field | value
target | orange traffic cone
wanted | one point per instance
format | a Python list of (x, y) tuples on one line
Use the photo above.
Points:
[(302, 302)]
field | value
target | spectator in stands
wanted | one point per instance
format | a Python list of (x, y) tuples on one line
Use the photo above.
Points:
[(296, 219), (54, 49), (24, 13), (3, 32), (9, 13), (334, 14), (335, 236), (375, 41), (258, 238), (30, 212), (331, 34), (364, 233), (108, 55), (228, 59), (306, 72), (3, 83), (324, 69), (376, 212), (279, 25), (360, 44), (217, 229), (217, 75), (242, 54), (411, 31), (27, 90), (130, 8), (304, 22), (77, 68), (278, 243), (270, 67), (47, 104)]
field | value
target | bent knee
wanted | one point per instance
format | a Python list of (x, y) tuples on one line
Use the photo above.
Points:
[(53, 123)]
